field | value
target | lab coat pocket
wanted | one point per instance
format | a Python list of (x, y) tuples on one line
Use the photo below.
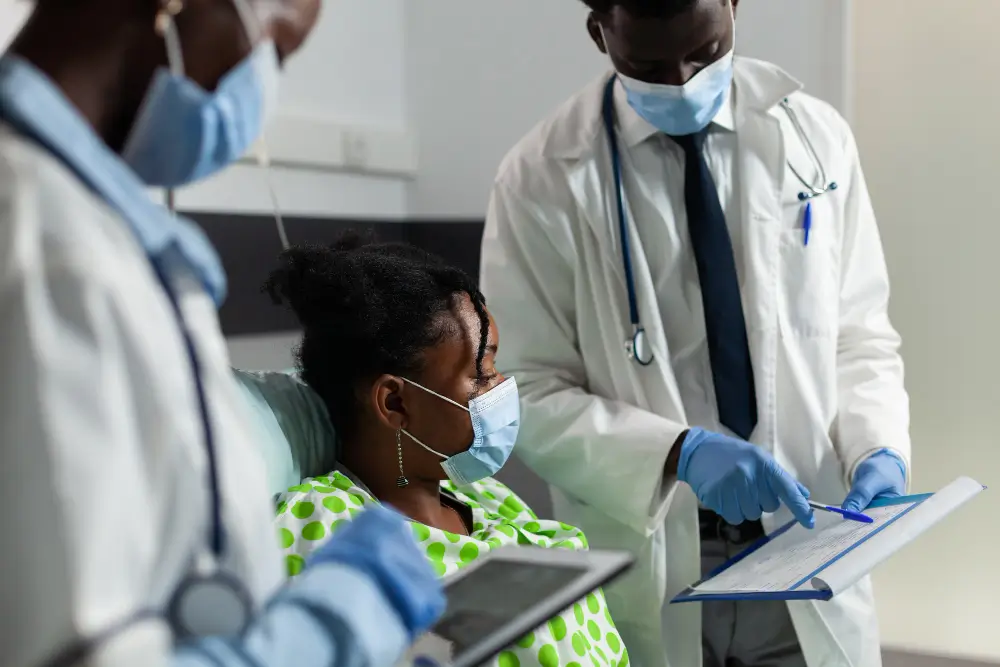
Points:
[(807, 286)]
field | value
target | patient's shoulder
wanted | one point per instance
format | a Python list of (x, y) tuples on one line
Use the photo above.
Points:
[(500, 504), (333, 496), (308, 514)]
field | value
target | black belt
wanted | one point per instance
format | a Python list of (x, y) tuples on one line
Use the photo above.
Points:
[(714, 527)]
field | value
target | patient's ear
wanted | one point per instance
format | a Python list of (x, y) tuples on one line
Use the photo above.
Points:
[(387, 398)]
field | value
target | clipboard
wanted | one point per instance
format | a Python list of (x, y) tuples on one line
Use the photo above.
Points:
[(820, 563)]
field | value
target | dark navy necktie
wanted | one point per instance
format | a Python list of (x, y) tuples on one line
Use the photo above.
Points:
[(725, 326)]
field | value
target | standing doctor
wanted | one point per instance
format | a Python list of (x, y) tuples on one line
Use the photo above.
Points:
[(687, 261), (129, 535)]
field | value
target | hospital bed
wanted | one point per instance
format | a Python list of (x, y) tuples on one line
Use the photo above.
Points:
[(296, 438)]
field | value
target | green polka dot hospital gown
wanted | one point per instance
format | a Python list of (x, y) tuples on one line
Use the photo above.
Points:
[(583, 636)]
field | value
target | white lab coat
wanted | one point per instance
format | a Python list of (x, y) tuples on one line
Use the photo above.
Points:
[(598, 427), (103, 475)]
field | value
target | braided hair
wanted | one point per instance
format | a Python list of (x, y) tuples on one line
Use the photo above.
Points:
[(367, 309)]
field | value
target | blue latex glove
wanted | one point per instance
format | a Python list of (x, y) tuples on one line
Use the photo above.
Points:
[(737, 480), (881, 475), (379, 542)]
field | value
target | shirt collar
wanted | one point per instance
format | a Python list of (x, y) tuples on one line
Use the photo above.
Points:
[(32, 104), (635, 129)]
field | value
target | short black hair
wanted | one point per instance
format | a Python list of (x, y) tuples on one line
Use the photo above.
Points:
[(663, 9), (367, 308)]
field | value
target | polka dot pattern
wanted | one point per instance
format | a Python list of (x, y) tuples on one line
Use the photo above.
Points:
[(557, 626), (508, 659), (436, 551), (548, 656), (583, 636), (335, 504), (295, 564), (303, 510), (313, 531), (286, 537)]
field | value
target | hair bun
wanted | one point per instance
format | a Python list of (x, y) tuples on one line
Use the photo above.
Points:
[(353, 240)]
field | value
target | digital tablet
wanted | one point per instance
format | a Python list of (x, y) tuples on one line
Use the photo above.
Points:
[(499, 599)]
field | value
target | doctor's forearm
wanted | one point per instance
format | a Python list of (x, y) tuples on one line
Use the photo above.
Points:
[(329, 616)]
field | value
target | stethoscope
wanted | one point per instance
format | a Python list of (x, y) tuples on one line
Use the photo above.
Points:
[(636, 344), (208, 601)]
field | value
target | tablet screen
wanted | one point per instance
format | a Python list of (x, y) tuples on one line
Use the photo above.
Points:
[(496, 593)]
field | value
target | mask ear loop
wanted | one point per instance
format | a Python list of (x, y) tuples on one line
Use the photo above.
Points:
[(416, 440), (264, 161), (166, 27), (732, 14), (434, 393), (254, 28)]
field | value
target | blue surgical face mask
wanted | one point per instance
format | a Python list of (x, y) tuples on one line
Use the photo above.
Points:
[(495, 416), (184, 133), (687, 109)]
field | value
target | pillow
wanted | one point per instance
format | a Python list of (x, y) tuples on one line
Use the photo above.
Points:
[(294, 431)]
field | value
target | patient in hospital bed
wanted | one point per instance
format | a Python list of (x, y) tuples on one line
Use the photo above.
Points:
[(397, 344)]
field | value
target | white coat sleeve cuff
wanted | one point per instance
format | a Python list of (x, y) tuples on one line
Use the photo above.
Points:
[(853, 469), (664, 495)]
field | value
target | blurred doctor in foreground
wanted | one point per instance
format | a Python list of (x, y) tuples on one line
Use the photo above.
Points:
[(130, 534), (687, 264)]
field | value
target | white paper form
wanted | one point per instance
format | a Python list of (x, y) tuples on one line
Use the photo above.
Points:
[(837, 552), (790, 559)]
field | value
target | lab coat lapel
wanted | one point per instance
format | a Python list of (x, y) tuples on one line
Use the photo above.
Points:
[(653, 387), (761, 165), (761, 162)]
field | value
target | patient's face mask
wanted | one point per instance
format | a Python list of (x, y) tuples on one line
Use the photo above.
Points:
[(495, 416), (184, 133), (688, 109)]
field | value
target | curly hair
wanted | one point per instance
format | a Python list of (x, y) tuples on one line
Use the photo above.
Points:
[(366, 309), (663, 9)]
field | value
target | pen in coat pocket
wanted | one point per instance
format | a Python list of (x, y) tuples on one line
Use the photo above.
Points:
[(807, 223)]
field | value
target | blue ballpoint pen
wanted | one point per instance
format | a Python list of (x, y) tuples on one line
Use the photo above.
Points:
[(847, 514), (807, 223)]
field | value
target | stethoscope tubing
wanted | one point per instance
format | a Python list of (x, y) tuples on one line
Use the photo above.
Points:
[(635, 344)]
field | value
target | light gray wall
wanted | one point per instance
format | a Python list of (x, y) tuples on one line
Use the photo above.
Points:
[(902, 659), (267, 352), (480, 74), (926, 121)]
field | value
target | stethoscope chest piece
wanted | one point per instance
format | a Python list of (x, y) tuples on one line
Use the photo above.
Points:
[(638, 347), (209, 603)]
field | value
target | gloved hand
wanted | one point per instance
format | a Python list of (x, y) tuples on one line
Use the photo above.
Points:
[(379, 543), (737, 480), (881, 475)]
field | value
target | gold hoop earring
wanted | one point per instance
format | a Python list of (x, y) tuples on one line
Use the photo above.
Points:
[(401, 481)]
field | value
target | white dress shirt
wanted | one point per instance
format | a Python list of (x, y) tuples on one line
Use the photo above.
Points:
[(653, 176)]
